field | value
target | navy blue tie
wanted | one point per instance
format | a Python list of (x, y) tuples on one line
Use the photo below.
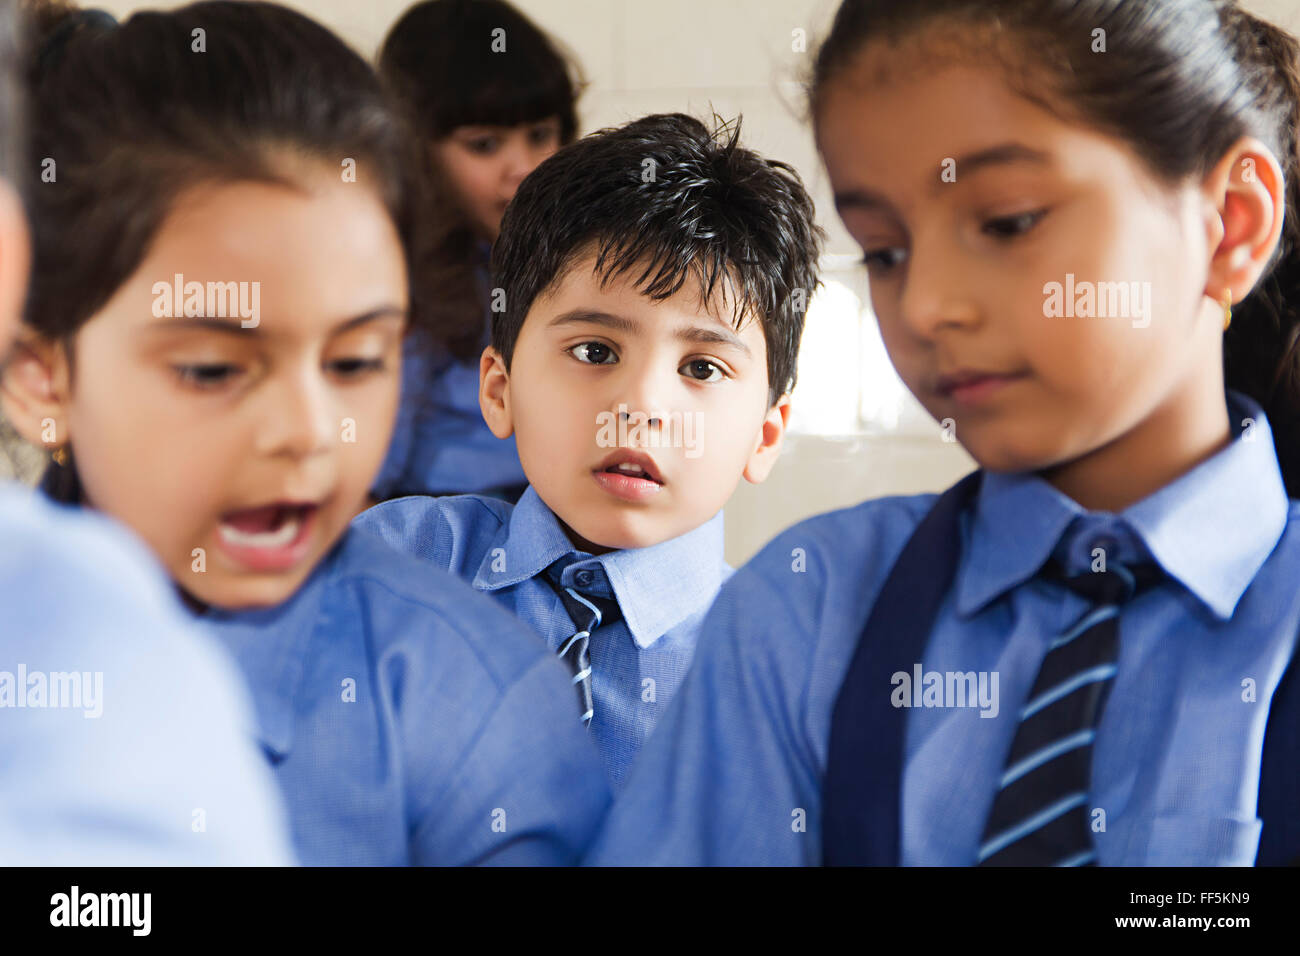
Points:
[(1040, 815), (587, 612)]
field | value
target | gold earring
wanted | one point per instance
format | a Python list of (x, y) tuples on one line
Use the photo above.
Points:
[(1227, 308), (60, 456)]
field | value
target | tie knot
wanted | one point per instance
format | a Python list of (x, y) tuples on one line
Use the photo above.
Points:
[(1115, 585)]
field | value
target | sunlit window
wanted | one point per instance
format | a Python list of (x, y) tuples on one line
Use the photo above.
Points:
[(847, 385)]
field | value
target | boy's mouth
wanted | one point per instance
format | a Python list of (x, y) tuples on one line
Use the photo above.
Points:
[(630, 475), (271, 537)]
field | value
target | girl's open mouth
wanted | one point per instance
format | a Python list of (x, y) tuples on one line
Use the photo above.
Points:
[(272, 537)]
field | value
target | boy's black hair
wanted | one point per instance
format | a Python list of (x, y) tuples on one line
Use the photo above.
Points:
[(668, 198)]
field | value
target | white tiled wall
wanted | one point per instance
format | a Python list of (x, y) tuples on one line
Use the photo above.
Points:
[(732, 56)]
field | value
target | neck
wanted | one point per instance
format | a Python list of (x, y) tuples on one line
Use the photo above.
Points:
[(1190, 426)]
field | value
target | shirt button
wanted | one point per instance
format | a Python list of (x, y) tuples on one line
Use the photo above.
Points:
[(583, 578)]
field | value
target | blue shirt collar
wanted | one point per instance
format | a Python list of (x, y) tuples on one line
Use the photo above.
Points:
[(657, 587), (1211, 529)]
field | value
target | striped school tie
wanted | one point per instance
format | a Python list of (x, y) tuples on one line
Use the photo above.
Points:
[(1040, 816), (587, 614)]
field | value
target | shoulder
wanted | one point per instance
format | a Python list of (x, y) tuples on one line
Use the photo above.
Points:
[(436, 528), (425, 614), (75, 562), (847, 547)]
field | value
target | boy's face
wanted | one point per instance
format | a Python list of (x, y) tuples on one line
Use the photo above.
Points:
[(486, 164), (969, 216), (634, 419), (240, 453)]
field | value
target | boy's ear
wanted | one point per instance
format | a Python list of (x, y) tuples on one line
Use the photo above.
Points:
[(1244, 225), (770, 437), (494, 393), (34, 389)]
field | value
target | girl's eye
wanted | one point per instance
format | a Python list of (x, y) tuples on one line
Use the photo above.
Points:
[(543, 134), (702, 370), (356, 367), (206, 376), (882, 260), (1008, 227), (594, 353), (483, 145)]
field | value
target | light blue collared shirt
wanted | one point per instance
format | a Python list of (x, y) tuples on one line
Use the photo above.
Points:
[(662, 591), (123, 733), (411, 721), (734, 772)]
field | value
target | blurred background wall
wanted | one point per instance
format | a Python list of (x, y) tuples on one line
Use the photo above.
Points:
[(856, 433)]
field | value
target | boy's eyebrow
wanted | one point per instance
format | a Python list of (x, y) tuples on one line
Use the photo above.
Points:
[(1002, 154), (686, 333), (231, 324), (618, 323)]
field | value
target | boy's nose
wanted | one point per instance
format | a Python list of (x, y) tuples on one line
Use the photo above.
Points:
[(627, 416)]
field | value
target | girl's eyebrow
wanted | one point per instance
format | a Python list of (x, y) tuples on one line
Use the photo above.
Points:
[(232, 324), (1003, 154)]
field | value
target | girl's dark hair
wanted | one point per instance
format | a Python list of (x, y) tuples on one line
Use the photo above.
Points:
[(1180, 81), (438, 60), (133, 114), (713, 213)]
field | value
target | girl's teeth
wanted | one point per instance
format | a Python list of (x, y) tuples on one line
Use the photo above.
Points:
[(630, 468), (279, 538)]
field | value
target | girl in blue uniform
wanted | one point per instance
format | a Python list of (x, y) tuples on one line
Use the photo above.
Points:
[(491, 97), (1084, 652), (212, 349)]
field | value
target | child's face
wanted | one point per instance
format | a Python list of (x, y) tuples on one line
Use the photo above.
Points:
[(603, 377), (962, 245), (191, 431), (486, 164)]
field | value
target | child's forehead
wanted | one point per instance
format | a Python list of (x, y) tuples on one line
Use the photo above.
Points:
[(584, 279), (893, 60)]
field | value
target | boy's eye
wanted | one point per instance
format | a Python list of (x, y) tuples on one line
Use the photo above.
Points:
[(594, 353), (1008, 227), (883, 259), (356, 367), (702, 370), (206, 376)]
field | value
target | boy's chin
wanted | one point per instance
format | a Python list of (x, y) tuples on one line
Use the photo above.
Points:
[(597, 537)]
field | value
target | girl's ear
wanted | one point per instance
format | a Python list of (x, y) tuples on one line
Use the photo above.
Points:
[(34, 389), (770, 437), (1244, 224), (494, 393)]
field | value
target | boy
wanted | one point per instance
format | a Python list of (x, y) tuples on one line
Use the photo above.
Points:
[(650, 288)]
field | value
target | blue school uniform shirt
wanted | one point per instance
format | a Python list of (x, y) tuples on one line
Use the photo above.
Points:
[(663, 592), (441, 444), (734, 772), (146, 760), (410, 721)]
